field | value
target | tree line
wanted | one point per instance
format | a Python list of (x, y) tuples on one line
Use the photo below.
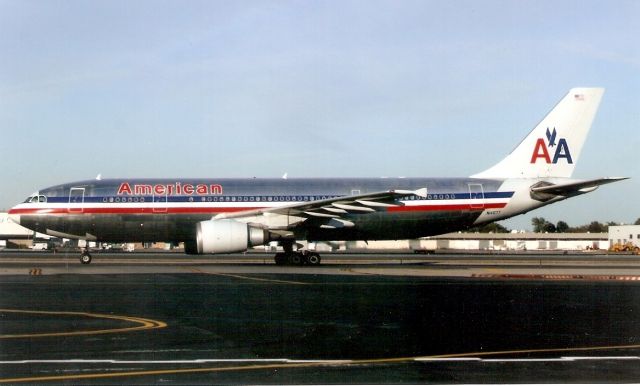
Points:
[(541, 225)]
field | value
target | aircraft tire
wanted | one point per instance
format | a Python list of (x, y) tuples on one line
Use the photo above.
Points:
[(296, 259), (313, 259), (85, 258)]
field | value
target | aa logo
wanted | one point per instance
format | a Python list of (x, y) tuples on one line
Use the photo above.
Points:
[(543, 150)]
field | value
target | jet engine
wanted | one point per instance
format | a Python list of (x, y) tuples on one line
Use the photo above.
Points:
[(225, 236)]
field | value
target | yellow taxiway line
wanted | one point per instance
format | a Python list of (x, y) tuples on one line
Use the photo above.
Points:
[(141, 324)]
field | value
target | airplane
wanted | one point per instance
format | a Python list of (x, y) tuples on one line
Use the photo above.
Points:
[(228, 215)]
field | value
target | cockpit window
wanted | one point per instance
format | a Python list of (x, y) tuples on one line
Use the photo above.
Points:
[(35, 199)]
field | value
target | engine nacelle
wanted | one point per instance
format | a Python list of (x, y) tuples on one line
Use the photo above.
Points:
[(225, 236)]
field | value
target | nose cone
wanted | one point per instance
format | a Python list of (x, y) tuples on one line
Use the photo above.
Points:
[(14, 217)]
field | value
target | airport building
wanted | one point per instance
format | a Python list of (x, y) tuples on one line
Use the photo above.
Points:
[(527, 241), (11, 230), (16, 236), (13, 235), (623, 234)]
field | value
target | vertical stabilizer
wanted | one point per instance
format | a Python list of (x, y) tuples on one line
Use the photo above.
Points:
[(553, 147)]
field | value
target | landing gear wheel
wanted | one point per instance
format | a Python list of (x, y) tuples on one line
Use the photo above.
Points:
[(85, 258), (295, 259), (291, 257), (313, 259)]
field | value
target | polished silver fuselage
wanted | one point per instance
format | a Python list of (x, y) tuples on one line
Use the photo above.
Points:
[(141, 210)]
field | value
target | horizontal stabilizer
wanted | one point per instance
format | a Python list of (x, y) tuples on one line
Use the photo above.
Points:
[(576, 187)]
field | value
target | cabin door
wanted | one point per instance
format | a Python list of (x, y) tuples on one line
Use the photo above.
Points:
[(476, 194), (160, 202), (76, 200)]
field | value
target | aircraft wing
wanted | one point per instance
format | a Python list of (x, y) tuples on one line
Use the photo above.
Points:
[(328, 213), (575, 187)]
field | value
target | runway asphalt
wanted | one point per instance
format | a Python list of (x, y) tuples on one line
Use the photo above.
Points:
[(136, 319)]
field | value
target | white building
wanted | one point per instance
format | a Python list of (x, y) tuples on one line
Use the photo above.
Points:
[(622, 234), (524, 241), (10, 230), (482, 241)]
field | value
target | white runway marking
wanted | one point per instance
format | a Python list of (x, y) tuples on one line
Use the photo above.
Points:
[(325, 361), (560, 359), (178, 361), (429, 359)]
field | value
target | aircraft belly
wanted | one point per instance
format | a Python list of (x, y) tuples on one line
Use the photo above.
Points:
[(118, 228), (393, 226), (181, 227), (148, 228)]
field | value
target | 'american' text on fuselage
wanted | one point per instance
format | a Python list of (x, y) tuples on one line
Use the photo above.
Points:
[(176, 188)]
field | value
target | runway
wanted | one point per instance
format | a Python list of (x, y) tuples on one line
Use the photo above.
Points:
[(140, 319)]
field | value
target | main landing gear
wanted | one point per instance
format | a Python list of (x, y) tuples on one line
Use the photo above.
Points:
[(291, 257), (297, 258), (85, 257)]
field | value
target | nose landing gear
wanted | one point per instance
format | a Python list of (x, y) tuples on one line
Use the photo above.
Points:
[(85, 257)]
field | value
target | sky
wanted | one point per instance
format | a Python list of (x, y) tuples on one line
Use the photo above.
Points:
[(313, 89)]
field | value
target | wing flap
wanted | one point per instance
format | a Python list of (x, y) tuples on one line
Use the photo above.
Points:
[(324, 215), (352, 208)]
